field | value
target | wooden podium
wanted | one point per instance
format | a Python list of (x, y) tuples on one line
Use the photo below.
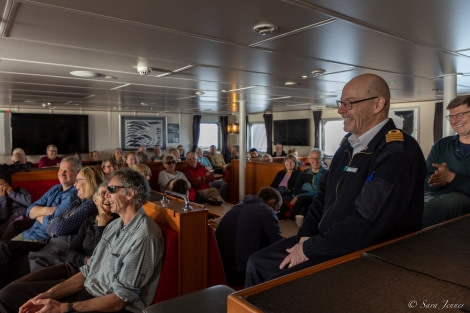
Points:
[(191, 225)]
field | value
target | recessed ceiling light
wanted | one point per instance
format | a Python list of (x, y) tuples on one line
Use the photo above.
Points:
[(223, 90), (318, 71), (290, 83), (85, 74), (199, 92)]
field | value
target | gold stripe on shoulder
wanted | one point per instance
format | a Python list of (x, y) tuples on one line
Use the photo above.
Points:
[(394, 135)]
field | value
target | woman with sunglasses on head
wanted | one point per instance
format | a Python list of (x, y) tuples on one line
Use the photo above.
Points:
[(169, 162)]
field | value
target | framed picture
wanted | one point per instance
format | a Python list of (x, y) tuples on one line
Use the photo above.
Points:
[(173, 133), (406, 119), (142, 130)]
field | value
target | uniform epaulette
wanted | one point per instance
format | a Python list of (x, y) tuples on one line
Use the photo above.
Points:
[(394, 135)]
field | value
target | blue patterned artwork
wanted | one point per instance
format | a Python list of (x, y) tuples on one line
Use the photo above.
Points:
[(142, 130)]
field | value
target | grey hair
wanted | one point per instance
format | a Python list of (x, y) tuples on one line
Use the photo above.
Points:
[(132, 179), (97, 190), (77, 164), (319, 151)]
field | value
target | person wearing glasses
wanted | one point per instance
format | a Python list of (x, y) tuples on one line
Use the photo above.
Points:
[(41, 213), (169, 173), (306, 184), (78, 254), (447, 182), (125, 266), (51, 159), (372, 192), (108, 166), (248, 227)]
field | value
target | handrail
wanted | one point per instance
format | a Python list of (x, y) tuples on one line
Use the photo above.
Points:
[(177, 195)]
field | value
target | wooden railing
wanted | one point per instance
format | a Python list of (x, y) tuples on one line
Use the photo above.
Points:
[(257, 175)]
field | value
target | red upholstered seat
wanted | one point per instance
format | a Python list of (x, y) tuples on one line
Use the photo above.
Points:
[(36, 188), (168, 285)]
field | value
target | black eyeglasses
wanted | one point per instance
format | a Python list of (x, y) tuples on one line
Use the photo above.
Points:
[(171, 162), (456, 116), (112, 189), (348, 104)]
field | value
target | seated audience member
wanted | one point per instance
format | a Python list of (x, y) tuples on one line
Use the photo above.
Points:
[(217, 160), (77, 155), (448, 168), (108, 166), (142, 148), (181, 155), (202, 181), (169, 172), (279, 151), (142, 157), (13, 203), (364, 198), (80, 250), (306, 185), (147, 172), (203, 160), (131, 159), (294, 152), (95, 156), (51, 159), (157, 150), (234, 152), (123, 271), (284, 182), (175, 153), (118, 157), (178, 185), (18, 158), (246, 228), (52, 204), (63, 228), (267, 158), (254, 155)]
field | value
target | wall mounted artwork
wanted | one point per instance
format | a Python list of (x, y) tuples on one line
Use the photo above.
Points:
[(142, 130)]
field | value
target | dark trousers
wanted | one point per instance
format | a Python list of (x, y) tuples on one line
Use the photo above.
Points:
[(10, 230), (264, 264), (300, 207), (14, 259)]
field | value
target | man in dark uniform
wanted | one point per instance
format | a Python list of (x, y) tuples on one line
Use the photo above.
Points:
[(372, 192)]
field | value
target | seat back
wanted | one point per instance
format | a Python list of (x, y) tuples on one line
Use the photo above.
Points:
[(168, 284)]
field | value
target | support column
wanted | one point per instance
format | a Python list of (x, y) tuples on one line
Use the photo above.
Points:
[(450, 92), (242, 154)]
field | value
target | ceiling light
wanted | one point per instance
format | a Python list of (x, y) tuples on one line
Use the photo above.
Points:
[(223, 90), (290, 83), (279, 98), (264, 28), (85, 74), (199, 93), (318, 71)]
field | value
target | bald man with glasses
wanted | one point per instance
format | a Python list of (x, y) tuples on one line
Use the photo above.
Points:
[(372, 192)]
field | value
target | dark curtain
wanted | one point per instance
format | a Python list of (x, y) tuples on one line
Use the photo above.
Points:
[(438, 116), (223, 121), (316, 123), (196, 131), (268, 123)]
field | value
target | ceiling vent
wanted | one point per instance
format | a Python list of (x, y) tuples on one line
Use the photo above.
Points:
[(264, 28)]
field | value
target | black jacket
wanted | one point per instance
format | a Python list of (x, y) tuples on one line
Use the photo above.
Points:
[(367, 198)]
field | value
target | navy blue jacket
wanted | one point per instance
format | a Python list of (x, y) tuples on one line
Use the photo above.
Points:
[(367, 198)]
